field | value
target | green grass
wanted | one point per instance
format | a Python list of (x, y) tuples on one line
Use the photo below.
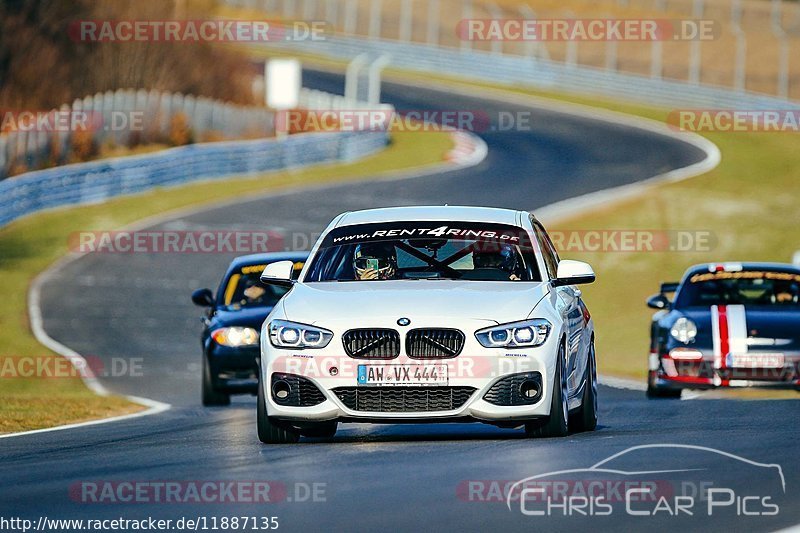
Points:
[(29, 245)]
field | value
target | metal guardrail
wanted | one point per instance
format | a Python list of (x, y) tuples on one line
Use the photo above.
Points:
[(100, 180), (542, 74), (33, 149)]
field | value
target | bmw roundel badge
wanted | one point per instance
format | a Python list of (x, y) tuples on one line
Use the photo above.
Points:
[(403, 321)]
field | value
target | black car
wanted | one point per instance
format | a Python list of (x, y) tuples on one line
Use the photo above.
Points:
[(730, 325), (232, 324)]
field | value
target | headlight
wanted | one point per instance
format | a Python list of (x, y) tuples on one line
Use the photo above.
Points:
[(285, 334), (235, 337), (684, 330), (523, 334)]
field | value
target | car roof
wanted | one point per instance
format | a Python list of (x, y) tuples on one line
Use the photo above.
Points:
[(735, 267), (269, 257), (432, 213)]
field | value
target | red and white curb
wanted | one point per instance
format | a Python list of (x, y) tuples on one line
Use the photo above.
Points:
[(468, 149)]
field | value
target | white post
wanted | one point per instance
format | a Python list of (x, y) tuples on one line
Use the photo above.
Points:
[(571, 57), (351, 76), (656, 58), (783, 52), (532, 47), (375, 19), (375, 70), (433, 23), (332, 12), (695, 58), (466, 13), (351, 17), (406, 20), (740, 67), (497, 14)]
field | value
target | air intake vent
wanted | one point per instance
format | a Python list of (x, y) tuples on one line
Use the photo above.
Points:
[(372, 343)]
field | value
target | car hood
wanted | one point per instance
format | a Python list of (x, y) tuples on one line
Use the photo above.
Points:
[(502, 301), (763, 326), (251, 317)]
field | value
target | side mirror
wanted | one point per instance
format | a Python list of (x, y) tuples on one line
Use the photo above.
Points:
[(279, 274), (573, 273), (658, 301), (203, 298)]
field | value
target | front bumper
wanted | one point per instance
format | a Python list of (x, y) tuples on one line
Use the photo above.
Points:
[(476, 369), (711, 372), (234, 370)]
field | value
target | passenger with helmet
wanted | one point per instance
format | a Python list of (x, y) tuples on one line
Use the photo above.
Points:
[(375, 261), (501, 257)]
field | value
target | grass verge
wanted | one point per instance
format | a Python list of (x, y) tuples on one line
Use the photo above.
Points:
[(29, 245)]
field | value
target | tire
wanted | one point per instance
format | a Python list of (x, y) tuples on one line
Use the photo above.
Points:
[(654, 392), (212, 397), (586, 417), (320, 430), (557, 424), (268, 431)]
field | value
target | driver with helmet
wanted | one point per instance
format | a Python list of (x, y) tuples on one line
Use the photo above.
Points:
[(503, 257), (375, 261)]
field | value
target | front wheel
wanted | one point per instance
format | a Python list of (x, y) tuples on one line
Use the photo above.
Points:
[(557, 424), (268, 431), (586, 418), (212, 397), (654, 392)]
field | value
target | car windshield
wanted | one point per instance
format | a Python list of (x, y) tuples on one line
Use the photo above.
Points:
[(748, 287), (425, 250), (243, 289)]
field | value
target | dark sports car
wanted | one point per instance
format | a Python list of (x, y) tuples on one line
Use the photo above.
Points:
[(730, 325), (232, 323)]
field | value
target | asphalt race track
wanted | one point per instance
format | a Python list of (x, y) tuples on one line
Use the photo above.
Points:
[(402, 477)]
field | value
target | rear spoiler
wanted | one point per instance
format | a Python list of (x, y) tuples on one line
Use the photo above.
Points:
[(669, 287)]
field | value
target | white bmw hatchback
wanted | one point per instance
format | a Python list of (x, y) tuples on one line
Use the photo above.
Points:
[(429, 314)]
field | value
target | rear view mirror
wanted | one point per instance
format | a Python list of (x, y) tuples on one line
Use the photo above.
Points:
[(573, 273), (279, 274), (658, 301), (203, 298)]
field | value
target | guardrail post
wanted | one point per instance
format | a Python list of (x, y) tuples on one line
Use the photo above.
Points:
[(465, 44), (497, 14), (433, 23), (350, 17), (532, 46), (695, 58), (332, 13), (375, 15), (740, 66), (571, 56), (406, 20), (783, 51)]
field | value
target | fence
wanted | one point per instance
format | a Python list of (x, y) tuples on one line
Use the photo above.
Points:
[(125, 118), (103, 179), (750, 51)]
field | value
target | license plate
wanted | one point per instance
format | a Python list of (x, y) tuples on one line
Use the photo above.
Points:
[(757, 360), (393, 375)]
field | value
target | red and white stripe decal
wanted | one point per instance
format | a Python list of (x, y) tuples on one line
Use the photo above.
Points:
[(729, 332)]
